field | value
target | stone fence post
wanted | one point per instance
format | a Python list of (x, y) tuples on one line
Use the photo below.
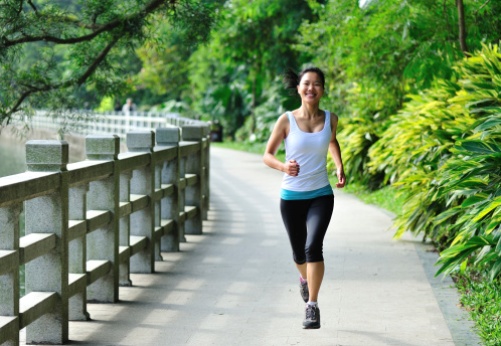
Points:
[(77, 251), (206, 174), (170, 174), (103, 195), (142, 222), (195, 165), (89, 224), (47, 215), (9, 279)]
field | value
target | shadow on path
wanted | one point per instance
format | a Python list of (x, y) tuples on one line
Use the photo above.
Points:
[(236, 284)]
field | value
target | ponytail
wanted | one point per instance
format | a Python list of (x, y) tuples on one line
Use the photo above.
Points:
[(292, 79)]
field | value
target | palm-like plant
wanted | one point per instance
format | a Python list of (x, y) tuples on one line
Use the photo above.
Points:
[(443, 150)]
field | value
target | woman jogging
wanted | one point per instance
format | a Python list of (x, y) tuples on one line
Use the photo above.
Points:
[(307, 200)]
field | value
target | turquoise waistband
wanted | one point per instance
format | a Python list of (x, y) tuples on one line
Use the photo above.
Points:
[(289, 195)]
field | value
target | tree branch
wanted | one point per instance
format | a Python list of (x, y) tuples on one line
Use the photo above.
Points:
[(76, 81), (483, 5), (32, 6), (447, 23), (462, 26), (29, 90), (92, 68), (152, 6)]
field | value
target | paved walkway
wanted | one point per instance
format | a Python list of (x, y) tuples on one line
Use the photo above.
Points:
[(236, 283)]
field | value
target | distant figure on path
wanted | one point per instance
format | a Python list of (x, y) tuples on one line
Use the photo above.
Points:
[(118, 106), (129, 106), (307, 199)]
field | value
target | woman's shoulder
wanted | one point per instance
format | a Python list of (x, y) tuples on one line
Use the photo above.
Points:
[(333, 116), (283, 122), (333, 119), (284, 118)]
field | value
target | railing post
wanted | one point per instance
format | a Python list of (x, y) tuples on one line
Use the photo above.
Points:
[(49, 214), (77, 252), (102, 244), (206, 173), (157, 203), (9, 279), (142, 222), (169, 208), (194, 165), (181, 161), (124, 228)]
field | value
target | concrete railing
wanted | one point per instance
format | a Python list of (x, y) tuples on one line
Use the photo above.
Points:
[(89, 224), (96, 123)]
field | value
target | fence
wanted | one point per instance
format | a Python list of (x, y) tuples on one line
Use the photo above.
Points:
[(89, 224), (119, 123)]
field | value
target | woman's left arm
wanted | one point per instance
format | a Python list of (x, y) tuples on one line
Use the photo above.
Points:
[(335, 151)]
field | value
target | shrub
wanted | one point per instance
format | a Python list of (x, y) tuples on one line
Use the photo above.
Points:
[(443, 149)]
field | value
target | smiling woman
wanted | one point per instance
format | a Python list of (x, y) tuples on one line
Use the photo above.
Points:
[(307, 199)]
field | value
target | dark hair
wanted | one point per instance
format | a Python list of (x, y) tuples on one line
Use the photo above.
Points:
[(292, 79)]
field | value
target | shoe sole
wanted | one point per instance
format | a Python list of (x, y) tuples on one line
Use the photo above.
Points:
[(311, 326)]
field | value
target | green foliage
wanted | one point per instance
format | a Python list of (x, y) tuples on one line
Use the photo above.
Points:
[(473, 177), (420, 136), (482, 300), (106, 105), (357, 136), (258, 128), (388, 197), (375, 56), (165, 70), (443, 150), (50, 50), (234, 74)]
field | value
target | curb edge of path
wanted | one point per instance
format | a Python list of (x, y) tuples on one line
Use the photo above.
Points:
[(459, 322), (460, 325)]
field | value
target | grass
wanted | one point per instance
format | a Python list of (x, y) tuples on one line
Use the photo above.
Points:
[(481, 298), (256, 148), (387, 198)]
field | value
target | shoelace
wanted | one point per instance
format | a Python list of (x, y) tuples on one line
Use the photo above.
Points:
[(310, 312)]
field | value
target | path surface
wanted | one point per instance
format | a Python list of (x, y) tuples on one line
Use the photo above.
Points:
[(236, 283)]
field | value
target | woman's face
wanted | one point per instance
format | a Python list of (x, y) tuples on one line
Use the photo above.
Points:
[(310, 88)]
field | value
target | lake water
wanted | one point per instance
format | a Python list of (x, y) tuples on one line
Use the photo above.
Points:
[(12, 156), (12, 161)]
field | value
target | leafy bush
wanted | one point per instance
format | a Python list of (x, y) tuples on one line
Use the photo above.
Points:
[(473, 174), (416, 143), (356, 137), (443, 150)]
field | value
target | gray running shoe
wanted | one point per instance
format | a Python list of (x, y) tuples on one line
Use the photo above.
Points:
[(312, 320), (303, 289)]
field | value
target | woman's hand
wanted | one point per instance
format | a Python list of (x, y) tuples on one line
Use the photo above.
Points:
[(341, 178), (291, 168)]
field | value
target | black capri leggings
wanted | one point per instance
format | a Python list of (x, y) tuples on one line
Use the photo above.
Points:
[(306, 222)]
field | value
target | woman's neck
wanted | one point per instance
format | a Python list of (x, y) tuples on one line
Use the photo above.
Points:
[(309, 111)]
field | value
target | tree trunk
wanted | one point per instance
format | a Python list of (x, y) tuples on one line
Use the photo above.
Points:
[(462, 26), (253, 105)]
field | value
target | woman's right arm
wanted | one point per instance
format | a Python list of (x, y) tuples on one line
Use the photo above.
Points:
[(277, 136)]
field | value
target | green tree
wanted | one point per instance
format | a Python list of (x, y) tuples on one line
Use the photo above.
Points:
[(250, 47), (376, 55), (51, 49)]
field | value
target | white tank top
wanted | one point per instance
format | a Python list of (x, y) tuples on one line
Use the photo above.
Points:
[(309, 149)]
